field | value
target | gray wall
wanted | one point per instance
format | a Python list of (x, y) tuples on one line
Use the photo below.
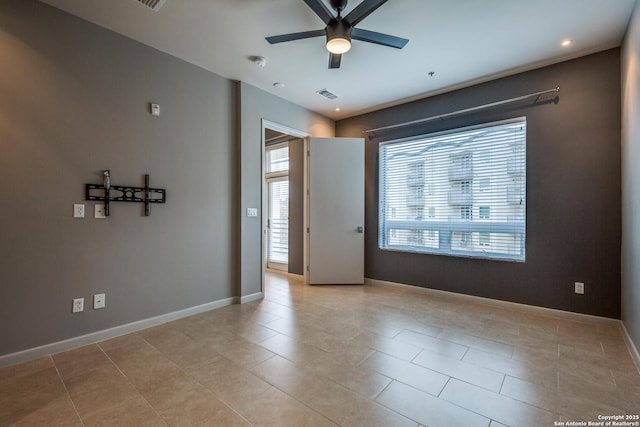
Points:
[(631, 179), (257, 105), (573, 190), (296, 206), (73, 101)]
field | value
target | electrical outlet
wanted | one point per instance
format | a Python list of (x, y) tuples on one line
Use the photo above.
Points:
[(579, 288), (78, 305), (98, 211), (78, 211), (98, 301)]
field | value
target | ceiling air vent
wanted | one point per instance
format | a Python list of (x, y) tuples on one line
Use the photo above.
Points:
[(327, 94), (153, 4)]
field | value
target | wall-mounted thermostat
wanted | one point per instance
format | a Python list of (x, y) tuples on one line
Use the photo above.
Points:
[(155, 109)]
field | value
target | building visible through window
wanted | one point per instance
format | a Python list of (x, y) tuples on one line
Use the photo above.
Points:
[(460, 192)]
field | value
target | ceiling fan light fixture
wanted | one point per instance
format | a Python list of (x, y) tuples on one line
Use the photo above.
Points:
[(339, 45), (339, 29)]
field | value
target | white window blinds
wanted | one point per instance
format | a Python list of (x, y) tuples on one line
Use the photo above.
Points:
[(277, 170), (461, 192), (279, 221)]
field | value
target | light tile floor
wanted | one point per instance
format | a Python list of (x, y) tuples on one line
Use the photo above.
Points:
[(337, 355)]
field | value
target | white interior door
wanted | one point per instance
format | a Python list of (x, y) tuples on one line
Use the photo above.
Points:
[(336, 211)]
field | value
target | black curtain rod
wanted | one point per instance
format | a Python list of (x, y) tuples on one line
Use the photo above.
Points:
[(466, 110)]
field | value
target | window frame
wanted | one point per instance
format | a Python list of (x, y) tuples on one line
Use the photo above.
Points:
[(515, 228)]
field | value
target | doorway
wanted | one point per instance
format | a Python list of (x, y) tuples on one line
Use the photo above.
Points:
[(283, 242)]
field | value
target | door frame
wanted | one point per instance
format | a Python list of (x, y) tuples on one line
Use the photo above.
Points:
[(266, 124)]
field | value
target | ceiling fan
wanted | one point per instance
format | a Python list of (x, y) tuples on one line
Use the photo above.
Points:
[(340, 30)]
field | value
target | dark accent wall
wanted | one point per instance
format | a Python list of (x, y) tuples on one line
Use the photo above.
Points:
[(296, 206), (573, 189), (73, 102)]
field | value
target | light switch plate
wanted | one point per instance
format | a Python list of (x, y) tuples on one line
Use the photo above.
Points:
[(252, 212)]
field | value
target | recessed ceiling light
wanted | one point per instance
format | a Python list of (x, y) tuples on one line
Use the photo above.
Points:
[(279, 85), (566, 42)]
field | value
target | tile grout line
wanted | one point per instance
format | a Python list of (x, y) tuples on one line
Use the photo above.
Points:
[(66, 390), (504, 379), (500, 395), (444, 386), (460, 406), (382, 405), (613, 377), (465, 353), (127, 378), (535, 405), (211, 392), (304, 403), (385, 387)]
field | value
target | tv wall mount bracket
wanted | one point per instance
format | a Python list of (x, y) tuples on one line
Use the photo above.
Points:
[(108, 193)]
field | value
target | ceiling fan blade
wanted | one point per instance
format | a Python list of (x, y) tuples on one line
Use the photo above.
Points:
[(363, 10), (334, 60), (295, 36), (378, 38), (320, 9)]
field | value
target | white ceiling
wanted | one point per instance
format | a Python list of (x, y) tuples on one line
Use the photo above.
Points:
[(462, 41)]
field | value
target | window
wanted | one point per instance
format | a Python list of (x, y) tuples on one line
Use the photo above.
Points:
[(419, 213), (417, 170), (277, 159), (415, 237), (277, 178), (484, 212), (466, 213), (478, 176)]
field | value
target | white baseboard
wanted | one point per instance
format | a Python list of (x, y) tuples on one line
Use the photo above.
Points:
[(635, 355), (253, 297), (94, 337), (568, 315)]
